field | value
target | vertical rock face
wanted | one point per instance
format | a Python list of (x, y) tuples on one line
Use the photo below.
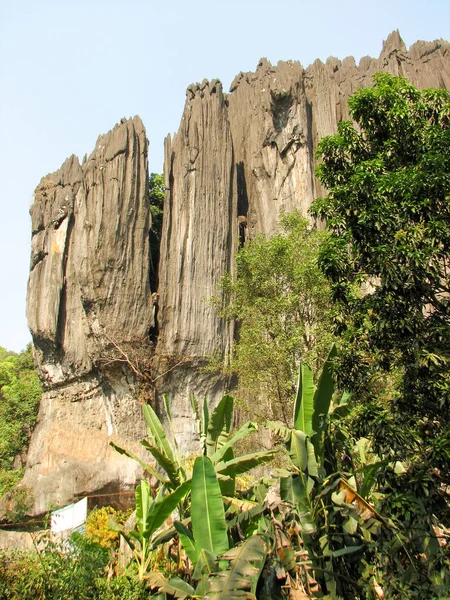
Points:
[(197, 246), (237, 162), (88, 304)]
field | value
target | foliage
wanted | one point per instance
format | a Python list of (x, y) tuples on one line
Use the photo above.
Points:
[(216, 441), (56, 572), (20, 393), (101, 526), (150, 516), (388, 213), (283, 305), (156, 201), (218, 570)]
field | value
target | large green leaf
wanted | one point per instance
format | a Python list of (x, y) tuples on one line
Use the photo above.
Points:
[(241, 433), (297, 449), (161, 509), (322, 401), (242, 464), (149, 468), (228, 484), (304, 403), (157, 434), (172, 469), (194, 405), (245, 564), (206, 565), (204, 426), (301, 499), (207, 511), (219, 425), (175, 587), (169, 418), (144, 501)]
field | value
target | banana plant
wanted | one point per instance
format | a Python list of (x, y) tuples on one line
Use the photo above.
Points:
[(221, 572), (150, 516), (216, 442), (305, 442)]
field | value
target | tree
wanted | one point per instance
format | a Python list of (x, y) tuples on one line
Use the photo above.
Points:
[(282, 303), (388, 258), (388, 211), (20, 394)]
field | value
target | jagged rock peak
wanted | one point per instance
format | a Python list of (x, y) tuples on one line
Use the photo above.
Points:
[(393, 43), (213, 86)]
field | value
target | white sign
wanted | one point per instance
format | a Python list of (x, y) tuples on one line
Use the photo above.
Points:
[(70, 517)]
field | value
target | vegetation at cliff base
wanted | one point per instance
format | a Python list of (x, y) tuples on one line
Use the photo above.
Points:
[(20, 394)]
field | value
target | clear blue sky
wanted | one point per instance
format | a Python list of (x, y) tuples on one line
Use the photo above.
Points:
[(70, 70)]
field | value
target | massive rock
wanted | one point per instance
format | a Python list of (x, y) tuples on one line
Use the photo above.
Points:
[(88, 306), (237, 162)]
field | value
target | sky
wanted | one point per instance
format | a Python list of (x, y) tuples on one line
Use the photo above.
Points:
[(70, 70)]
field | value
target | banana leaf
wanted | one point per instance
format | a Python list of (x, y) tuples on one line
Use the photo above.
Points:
[(163, 508), (206, 565), (174, 586), (207, 510), (322, 401), (172, 432), (204, 426), (149, 468), (172, 469), (228, 483), (241, 433), (219, 425), (241, 576), (194, 405), (157, 434), (143, 503), (297, 449), (187, 542), (242, 464), (304, 403), (302, 501)]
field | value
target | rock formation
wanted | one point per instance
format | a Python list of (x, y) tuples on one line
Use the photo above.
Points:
[(88, 304), (237, 162)]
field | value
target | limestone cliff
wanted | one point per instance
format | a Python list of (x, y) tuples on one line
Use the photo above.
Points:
[(237, 162), (88, 302)]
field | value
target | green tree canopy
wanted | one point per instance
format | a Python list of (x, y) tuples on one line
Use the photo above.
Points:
[(282, 304), (20, 394), (388, 211)]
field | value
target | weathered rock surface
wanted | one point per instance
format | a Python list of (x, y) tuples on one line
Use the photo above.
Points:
[(237, 162), (88, 300)]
